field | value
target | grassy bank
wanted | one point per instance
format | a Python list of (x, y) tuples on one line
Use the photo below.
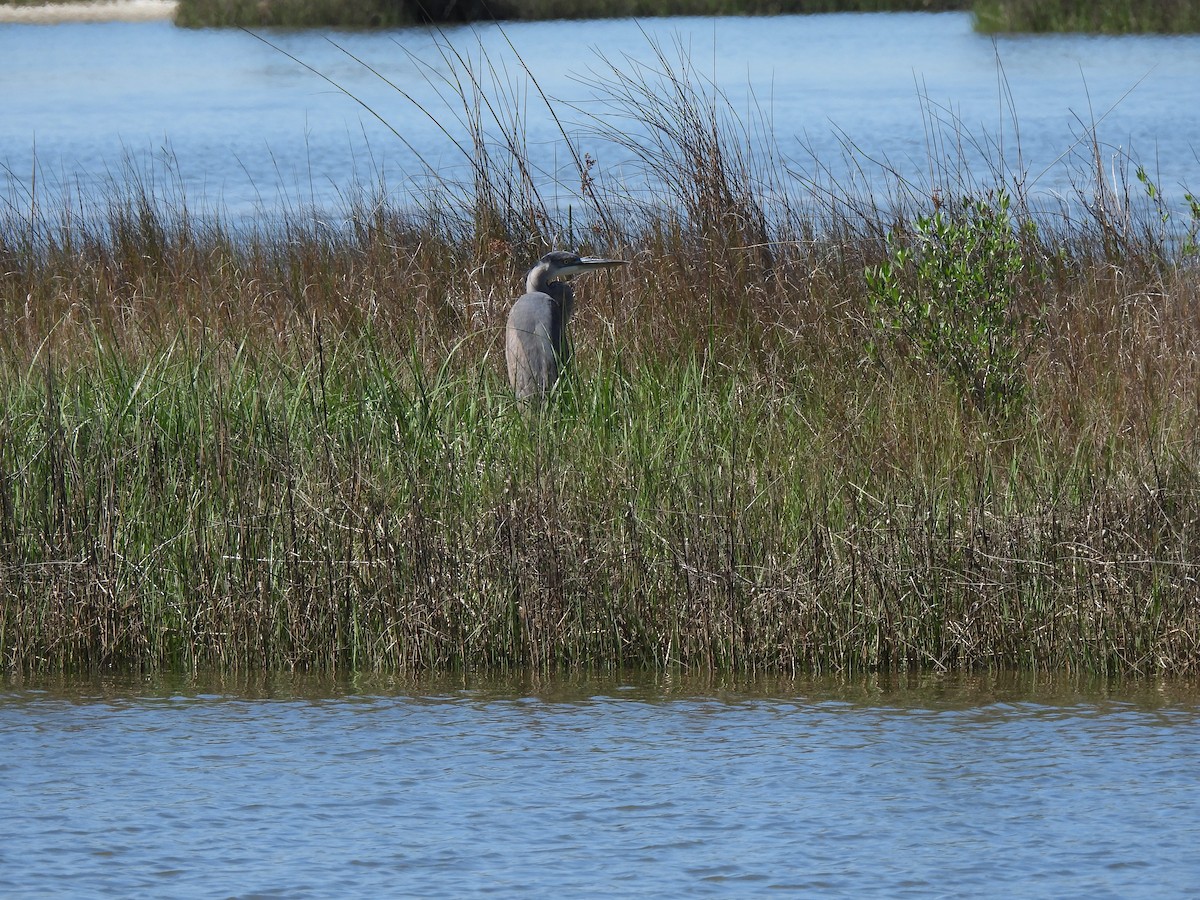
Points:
[(803, 431)]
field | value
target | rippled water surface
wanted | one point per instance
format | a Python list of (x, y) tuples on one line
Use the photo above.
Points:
[(235, 122), (599, 787)]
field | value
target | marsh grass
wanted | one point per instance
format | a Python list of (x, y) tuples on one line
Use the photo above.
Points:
[(292, 446)]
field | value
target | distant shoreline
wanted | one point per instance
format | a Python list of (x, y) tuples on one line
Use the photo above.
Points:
[(104, 11), (989, 16)]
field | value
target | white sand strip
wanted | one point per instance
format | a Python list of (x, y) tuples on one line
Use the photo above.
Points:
[(106, 11)]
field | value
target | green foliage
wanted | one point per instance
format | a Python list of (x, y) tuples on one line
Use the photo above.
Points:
[(1190, 246), (1165, 232), (947, 296)]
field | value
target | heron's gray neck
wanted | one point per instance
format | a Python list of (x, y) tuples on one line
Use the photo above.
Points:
[(561, 292), (536, 280)]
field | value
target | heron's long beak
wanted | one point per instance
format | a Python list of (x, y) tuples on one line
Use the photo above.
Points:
[(587, 263)]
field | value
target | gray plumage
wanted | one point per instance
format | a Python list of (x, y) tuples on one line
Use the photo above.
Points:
[(535, 340)]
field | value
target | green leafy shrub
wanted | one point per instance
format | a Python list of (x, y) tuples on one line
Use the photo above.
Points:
[(946, 297)]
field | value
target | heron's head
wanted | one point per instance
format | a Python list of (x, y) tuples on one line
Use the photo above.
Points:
[(564, 264)]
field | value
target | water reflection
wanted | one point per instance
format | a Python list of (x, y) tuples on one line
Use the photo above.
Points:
[(924, 690)]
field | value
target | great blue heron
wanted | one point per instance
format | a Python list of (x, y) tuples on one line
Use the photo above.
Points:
[(535, 339)]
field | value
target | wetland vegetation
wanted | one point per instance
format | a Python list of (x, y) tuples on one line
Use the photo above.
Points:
[(391, 13), (811, 428), (1104, 17), (1107, 16)]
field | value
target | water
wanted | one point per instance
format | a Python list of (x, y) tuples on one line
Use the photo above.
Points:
[(226, 120), (600, 787)]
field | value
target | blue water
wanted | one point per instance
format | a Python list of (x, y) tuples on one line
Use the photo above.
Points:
[(223, 119), (604, 787)]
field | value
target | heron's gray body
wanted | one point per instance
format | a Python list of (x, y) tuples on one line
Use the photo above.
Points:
[(536, 344), (535, 339)]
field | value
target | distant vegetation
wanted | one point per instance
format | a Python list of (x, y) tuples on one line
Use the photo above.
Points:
[(296, 13), (1101, 17), (807, 429), (1109, 16), (388, 13), (1091, 16)]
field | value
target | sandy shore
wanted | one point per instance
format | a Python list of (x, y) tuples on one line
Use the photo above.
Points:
[(104, 11)]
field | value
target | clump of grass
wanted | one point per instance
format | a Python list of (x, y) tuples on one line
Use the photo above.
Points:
[(293, 447)]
